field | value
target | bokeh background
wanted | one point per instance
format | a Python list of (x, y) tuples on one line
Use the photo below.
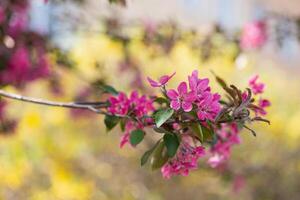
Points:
[(56, 153)]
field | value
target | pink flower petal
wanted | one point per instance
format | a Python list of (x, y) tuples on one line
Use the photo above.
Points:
[(195, 74), (215, 160), (187, 106), (134, 95), (175, 104), (164, 79), (253, 79), (182, 88), (172, 94), (190, 97), (203, 84), (201, 115), (193, 79), (153, 83), (264, 103), (124, 140)]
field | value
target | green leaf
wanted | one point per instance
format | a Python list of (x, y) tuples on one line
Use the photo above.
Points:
[(121, 2), (207, 133), (136, 136), (172, 143), (220, 81), (197, 130), (161, 100), (111, 121), (162, 116), (147, 154), (122, 124), (161, 130), (160, 156), (109, 89)]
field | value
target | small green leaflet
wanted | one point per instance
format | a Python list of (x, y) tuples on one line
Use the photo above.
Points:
[(161, 130), (161, 100), (121, 2), (122, 124), (136, 136), (172, 143), (109, 89), (111, 121), (208, 134), (162, 116), (197, 130), (160, 156), (147, 154)]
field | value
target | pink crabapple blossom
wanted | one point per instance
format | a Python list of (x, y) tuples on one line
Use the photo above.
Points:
[(136, 105), (181, 98), (162, 80), (185, 160), (228, 136), (198, 86), (119, 105), (207, 103), (256, 87), (263, 104), (208, 106)]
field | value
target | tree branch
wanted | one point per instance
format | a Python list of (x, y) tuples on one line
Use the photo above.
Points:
[(92, 106)]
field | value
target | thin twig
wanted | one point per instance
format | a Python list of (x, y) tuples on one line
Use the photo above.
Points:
[(82, 105)]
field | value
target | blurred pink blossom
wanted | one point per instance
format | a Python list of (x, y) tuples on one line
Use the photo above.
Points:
[(2, 15), (254, 35), (239, 183), (228, 136), (185, 160)]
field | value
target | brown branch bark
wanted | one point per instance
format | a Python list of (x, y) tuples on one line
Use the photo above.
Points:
[(92, 106)]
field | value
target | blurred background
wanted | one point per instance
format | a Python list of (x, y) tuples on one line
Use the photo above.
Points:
[(54, 153)]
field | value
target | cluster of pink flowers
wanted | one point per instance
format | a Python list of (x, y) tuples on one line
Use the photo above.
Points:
[(122, 105), (22, 62), (185, 160), (254, 35), (21, 69), (119, 105), (188, 117), (206, 104), (198, 96), (227, 137), (258, 90), (134, 106)]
